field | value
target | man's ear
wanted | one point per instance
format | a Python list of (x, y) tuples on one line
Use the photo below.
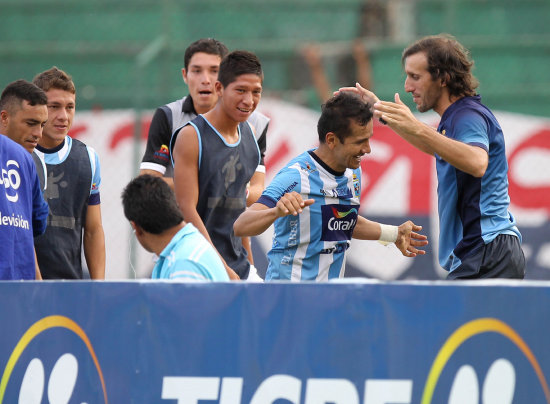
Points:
[(137, 229), (331, 139), (219, 88), (4, 118), (445, 79), (184, 75)]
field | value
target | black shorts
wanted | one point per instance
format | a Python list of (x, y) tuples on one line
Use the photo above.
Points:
[(501, 258)]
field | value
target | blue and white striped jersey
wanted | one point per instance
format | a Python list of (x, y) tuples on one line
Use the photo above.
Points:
[(312, 245)]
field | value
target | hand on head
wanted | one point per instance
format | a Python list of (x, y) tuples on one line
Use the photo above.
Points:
[(366, 95)]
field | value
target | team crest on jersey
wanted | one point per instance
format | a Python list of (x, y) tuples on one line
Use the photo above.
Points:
[(163, 153), (356, 186), (309, 168), (338, 221)]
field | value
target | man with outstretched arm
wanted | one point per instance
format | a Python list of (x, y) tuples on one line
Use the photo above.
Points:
[(314, 201), (478, 235)]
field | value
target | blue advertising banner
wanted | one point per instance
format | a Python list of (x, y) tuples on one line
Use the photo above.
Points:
[(232, 343)]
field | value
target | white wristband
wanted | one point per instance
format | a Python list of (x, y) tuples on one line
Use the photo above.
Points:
[(388, 233)]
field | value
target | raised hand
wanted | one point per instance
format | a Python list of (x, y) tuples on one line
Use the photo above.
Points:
[(292, 203), (366, 95)]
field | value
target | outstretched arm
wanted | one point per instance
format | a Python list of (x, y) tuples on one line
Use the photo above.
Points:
[(470, 159), (405, 237), (258, 217)]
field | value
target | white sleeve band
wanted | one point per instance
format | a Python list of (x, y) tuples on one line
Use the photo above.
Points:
[(388, 233)]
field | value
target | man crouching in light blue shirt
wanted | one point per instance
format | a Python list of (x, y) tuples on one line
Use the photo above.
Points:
[(184, 254)]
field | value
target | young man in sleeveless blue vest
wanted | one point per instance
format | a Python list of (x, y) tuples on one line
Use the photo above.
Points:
[(216, 155), (314, 201), (184, 254), (201, 65), (23, 211), (71, 178), (478, 235)]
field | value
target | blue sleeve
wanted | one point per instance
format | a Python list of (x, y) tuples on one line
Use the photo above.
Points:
[(287, 180), (470, 127), (40, 208), (189, 270), (96, 178)]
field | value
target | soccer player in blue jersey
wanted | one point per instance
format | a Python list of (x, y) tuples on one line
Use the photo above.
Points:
[(478, 235), (184, 254), (314, 201)]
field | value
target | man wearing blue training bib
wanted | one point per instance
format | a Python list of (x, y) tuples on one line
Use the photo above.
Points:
[(478, 235), (314, 201)]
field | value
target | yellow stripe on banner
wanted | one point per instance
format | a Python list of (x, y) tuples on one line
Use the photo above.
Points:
[(33, 331)]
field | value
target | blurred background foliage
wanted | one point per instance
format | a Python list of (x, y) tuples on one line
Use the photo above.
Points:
[(129, 53)]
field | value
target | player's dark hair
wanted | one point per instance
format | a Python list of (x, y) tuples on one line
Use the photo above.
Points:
[(18, 91), (449, 61), (210, 46), (236, 64), (338, 112), (149, 202), (55, 78)]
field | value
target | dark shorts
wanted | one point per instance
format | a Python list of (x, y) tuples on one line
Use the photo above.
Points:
[(501, 258)]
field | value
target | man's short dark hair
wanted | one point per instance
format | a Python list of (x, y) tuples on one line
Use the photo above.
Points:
[(448, 60), (150, 203), (338, 112), (236, 64), (55, 78), (18, 91), (210, 46)]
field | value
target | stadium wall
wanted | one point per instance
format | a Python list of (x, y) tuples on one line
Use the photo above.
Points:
[(343, 343)]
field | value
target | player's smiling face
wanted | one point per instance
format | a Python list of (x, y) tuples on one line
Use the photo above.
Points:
[(349, 152), (201, 76), (241, 97), (61, 108)]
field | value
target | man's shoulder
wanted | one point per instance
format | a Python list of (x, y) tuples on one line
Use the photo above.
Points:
[(176, 103), (258, 120), (78, 144), (186, 240), (14, 155), (13, 148)]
